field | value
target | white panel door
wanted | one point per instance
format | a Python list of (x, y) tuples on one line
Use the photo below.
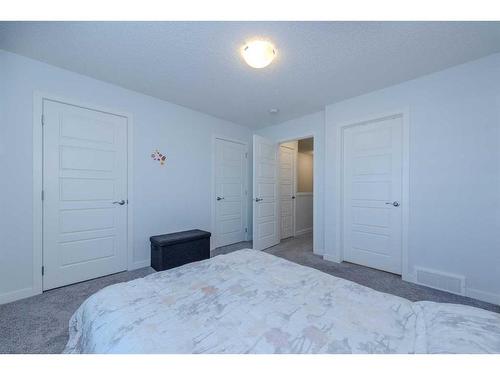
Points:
[(265, 190), (84, 173), (230, 192), (287, 189), (372, 190)]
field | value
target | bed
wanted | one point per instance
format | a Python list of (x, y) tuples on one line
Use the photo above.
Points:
[(252, 302)]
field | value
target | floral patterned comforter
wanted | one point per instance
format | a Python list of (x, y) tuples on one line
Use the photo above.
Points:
[(252, 302)]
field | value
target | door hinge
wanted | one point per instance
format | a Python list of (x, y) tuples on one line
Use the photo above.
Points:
[(246, 155), (246, 230), (43, 120), (43, 270), (43, 195)]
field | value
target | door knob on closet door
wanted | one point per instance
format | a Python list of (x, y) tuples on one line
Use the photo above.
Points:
[(220, 198), (121, 203), (395, 203), (259, 199)]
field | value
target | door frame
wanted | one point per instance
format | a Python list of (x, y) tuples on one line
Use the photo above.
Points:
[(405, 181), (213, 221), (316, 187), (38, 98), (294, 203)]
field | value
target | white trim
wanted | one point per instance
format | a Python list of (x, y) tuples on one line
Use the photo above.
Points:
[(140, 264), (16, 295), (295, 187), (212, 193), (316, 219), (37, 191), (303, 231), (406, 274), (38, 98), (130, 193), (330, 258), (483, 296)]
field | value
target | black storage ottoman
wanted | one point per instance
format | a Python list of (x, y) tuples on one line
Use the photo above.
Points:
[(175, 249)]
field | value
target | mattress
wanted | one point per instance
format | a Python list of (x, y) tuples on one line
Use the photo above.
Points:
[(253, 302)]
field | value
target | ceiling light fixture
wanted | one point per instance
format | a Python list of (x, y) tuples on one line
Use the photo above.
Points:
[(258, 53)]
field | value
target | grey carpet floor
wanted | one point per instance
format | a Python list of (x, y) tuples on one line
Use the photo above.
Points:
[(39, 324), (299, 250)]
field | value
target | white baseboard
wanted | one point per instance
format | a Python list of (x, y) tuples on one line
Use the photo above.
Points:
[(330, 258), (483, 296), (303, 231), (140, 264), (17, 295), (248, 237), (410, 277), (30, 292), (319, 252)]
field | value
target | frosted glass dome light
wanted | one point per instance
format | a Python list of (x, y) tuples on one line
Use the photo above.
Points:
[(258, 53)]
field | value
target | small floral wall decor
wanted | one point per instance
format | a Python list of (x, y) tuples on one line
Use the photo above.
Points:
[(158, 156)]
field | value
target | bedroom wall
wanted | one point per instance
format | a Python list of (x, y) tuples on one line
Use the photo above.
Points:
[(454, 222), (169, 198), (304, 213), (304, 172), (303, 127), (304, 197), (454, 169)]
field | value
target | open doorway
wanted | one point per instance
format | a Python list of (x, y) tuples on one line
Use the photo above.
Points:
[(296, 176), (283, 188)]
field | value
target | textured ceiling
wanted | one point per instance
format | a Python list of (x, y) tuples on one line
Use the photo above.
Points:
[(197, 64)]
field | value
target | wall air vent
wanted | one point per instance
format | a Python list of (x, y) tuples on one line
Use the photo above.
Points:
[(440, 280)]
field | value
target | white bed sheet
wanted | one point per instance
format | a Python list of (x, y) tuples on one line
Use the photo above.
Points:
[(252, 302)]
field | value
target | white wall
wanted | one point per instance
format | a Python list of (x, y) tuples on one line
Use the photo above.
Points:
[(304, 172), (454, 165), (174, 197), (304, 200), (454, 169), (454, 208), (303, 127), (304, 213)]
